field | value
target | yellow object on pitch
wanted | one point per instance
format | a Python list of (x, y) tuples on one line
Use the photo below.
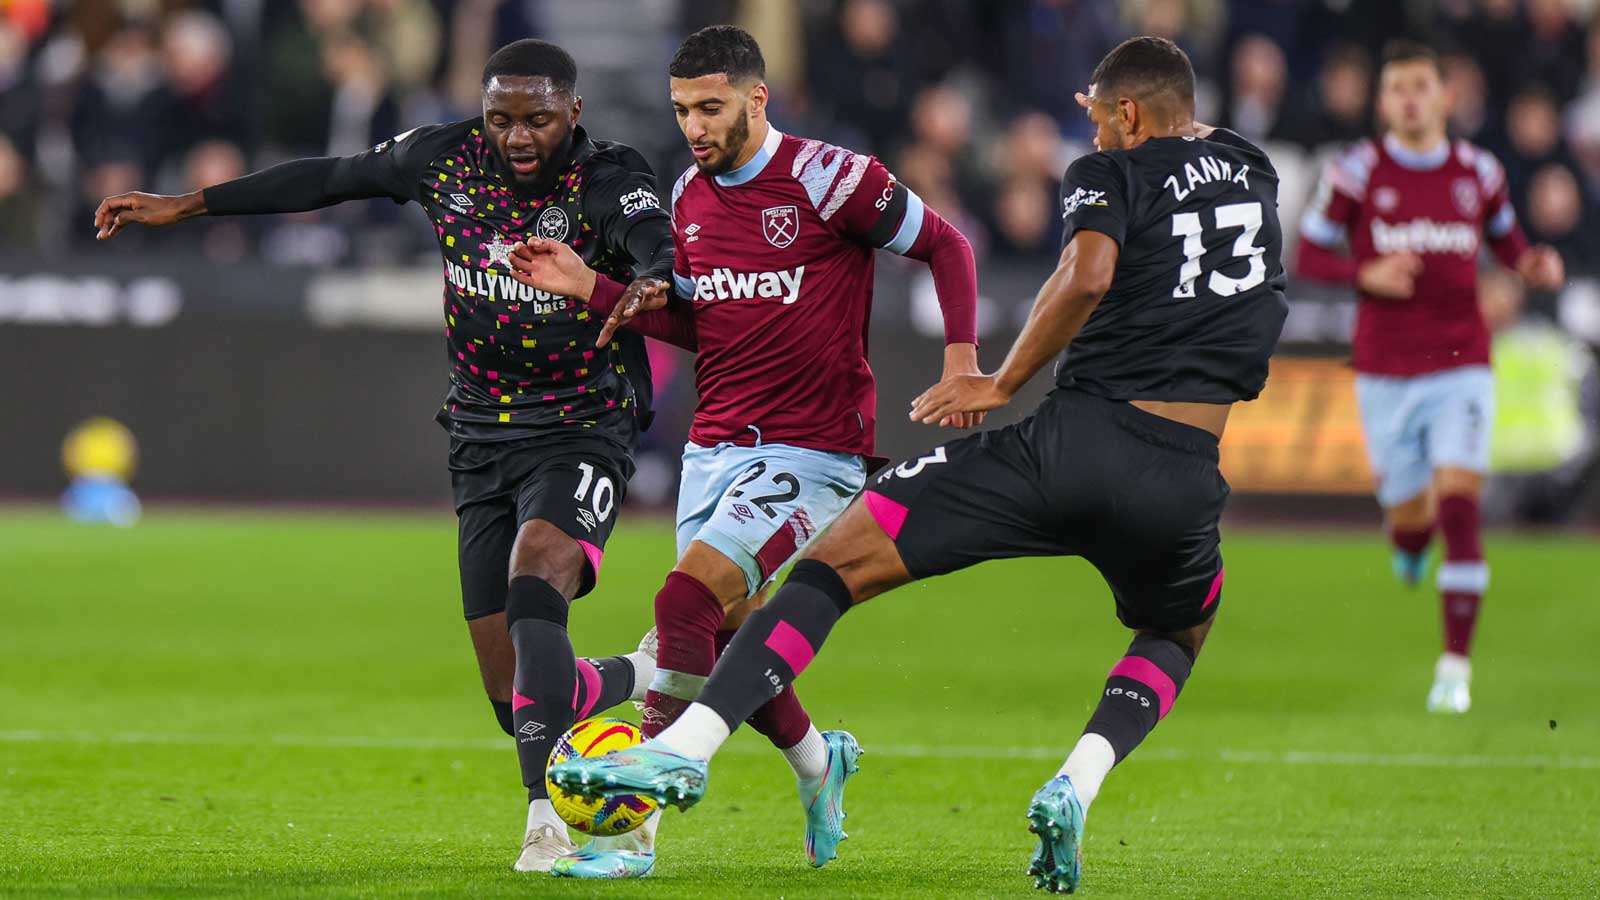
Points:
[(611, 816), (100, 448)]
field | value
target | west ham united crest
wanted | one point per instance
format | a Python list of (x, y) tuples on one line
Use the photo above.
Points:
[(1464, 191), (553, 224), (780, 224)]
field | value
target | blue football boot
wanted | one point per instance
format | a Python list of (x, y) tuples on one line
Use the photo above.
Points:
[(1409, 567), (1056, 816), (649, 769), (592, 863), (824, 798)]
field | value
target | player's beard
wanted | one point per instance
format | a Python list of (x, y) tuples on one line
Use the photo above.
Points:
[(544, 179), (738, 136)]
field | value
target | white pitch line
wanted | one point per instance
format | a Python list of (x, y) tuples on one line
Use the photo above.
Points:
[(896, 751)]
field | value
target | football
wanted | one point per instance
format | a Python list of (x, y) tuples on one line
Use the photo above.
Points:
[(600, 818)]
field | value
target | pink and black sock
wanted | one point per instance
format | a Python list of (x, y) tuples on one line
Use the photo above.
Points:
[(688, 615), (782, 719), (1140, 692), (600, 685), (776, 644), (1463, 576), (542, 688)]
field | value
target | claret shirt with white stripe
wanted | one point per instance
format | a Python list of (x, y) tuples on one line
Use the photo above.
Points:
[(776, 257), (1382, 198)]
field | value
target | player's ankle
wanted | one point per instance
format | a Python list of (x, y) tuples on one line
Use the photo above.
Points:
[(1087, 766), (697, 734), (809, 756)]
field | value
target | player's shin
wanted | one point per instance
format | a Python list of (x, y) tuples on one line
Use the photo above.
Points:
[(784, 722), (542, 688), (1139, 692), (687, 617), (769, 652), (1463, 576)]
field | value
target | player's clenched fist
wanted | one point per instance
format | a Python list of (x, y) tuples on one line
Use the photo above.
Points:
[(1541, 267), (145, 209), (1393, 275)]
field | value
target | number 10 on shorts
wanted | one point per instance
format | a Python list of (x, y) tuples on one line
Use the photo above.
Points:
[(600, 492)]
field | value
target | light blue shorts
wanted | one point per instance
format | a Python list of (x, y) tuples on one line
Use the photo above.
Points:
[(760, 505), (1420, 423)]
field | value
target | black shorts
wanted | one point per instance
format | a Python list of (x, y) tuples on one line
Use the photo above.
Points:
[(1137, 495), (575, 483)]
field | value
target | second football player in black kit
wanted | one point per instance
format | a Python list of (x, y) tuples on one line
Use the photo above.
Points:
[(542, 424), (1168, 300)]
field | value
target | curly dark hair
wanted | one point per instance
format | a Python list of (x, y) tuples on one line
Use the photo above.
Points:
[(719, 49)]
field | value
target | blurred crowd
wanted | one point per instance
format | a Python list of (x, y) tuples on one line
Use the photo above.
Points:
[(971, 103)]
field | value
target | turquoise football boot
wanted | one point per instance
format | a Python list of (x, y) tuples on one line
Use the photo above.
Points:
[(591, 863), (1056, 816), (1409, 567), (824, 798), (649, 769)]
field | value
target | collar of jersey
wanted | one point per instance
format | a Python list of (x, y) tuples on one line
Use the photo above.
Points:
[(1414, 160), (757, 163)]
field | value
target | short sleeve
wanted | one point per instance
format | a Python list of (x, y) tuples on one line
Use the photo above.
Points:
[(1094, 197)]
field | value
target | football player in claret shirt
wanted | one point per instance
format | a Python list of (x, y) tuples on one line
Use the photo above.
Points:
[(776, 237), (542, 423), (1413, 207), (1168, 300)]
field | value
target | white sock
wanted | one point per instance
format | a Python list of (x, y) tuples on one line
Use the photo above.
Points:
[(641, 839), (697, 734), (644, 672), (541, 812), (1088, 764), (1453, 667), (809, 758)]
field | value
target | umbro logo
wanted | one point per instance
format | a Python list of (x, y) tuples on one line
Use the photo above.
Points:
[(691, 234), (461, 203), (586, 519), (530, 729)]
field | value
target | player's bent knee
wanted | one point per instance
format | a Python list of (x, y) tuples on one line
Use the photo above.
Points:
[(1454, 482), (544, 551), (721, 575), (863, 555), (1416, 512)]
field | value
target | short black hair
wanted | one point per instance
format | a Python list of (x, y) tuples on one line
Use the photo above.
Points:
[(719, 49), (1146, 67), (1404, 51), (533, 58)]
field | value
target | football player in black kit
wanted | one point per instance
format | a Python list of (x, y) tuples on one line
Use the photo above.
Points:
[(542, 424), (1168, 300)]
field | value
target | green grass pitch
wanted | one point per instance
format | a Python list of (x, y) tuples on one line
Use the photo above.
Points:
[(285, 704)]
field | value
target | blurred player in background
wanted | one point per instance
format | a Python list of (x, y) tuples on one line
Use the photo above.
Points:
[(542, 424), (776, 237), (1412, 206), (1168, 300)]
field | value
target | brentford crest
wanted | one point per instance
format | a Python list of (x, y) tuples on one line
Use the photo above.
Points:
[(780, 224)]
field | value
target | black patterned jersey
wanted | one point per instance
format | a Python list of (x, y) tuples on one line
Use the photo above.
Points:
[(523, 362)]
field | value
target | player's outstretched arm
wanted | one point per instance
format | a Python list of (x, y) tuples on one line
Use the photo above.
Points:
[(1064, 303), (294, 186)]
